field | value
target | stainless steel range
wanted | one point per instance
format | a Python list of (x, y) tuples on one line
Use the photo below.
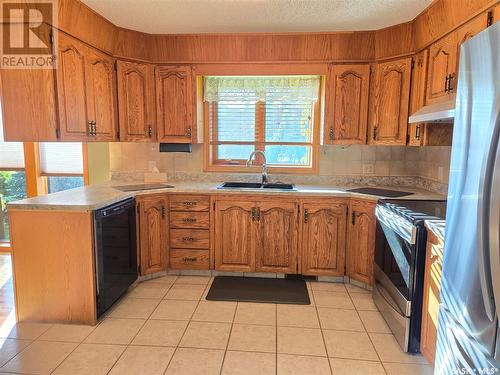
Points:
[(399, 265)]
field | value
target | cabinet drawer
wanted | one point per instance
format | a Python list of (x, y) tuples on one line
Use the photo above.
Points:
[(200, 220), (189, 259), (189, 238), (189, 203)]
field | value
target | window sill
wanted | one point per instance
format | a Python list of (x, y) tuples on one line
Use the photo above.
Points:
[(5, 247), (245, 169)]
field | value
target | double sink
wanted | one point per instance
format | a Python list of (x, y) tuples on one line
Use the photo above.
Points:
[(255, 185)]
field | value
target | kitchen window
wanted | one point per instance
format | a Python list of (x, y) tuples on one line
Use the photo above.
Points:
[(62, 165), (275, 114)]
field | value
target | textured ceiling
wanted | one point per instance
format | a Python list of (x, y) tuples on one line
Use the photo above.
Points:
[(226, 16)]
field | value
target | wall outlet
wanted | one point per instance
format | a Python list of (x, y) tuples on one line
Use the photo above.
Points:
[(368, 168)]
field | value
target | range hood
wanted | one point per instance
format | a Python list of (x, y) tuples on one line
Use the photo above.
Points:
[(439, 112)]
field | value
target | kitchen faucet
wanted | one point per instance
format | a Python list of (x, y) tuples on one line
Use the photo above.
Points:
[(264, 164)]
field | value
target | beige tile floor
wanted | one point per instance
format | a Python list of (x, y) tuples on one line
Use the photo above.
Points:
[(165, 326)]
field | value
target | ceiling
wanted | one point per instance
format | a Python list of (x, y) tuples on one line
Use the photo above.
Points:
[(228, 16)]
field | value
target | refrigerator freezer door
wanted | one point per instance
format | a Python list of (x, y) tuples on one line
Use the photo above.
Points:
[(467, 290), (460, 354)]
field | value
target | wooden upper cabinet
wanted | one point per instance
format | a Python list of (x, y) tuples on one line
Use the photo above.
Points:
[(235, 231), (324, 238), (101, 91), (86, 92), (390, 96), (442, 65), (72, 90), (153, 233), (175, 93), (277, 236), (136, 101), (348, 104), (361, 241)]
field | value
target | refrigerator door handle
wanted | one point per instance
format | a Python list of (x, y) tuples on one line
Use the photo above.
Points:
[(485, 246), (494, 218)]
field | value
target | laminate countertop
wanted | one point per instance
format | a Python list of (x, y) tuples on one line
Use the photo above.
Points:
[(94, 197)]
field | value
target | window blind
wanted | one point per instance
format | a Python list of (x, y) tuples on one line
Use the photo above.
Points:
[(11, 153), (273, 114), (61, 158)]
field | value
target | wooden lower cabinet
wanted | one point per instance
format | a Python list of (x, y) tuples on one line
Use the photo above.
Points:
[(324, 238), (276, 236), (361, 240), (153, 233), (235, 235), (431, 299)]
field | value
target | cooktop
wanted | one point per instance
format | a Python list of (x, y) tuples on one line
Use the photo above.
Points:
[(380, 192)]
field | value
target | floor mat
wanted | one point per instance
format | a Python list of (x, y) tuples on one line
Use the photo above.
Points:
[(255, 289)]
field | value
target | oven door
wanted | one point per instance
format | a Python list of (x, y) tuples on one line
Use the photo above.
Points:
[(393, 271)]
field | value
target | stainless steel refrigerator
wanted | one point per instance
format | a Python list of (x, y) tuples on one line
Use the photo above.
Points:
[(468, 333)]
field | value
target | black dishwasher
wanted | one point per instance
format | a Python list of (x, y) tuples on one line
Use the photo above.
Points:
[(115, 252)]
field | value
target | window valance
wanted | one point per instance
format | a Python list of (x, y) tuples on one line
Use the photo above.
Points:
[(261, 88)]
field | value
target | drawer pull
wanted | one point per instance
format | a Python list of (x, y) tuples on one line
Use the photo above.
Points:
[(189, 203), (189, 259), (189, 220), (190, 239)]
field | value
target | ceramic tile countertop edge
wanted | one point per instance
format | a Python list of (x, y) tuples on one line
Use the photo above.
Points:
[(97, 196), (437, 227)]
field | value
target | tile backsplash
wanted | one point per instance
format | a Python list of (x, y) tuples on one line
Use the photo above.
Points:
[(429, 163)]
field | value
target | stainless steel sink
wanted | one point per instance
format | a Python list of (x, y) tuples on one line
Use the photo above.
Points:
[(255, 186)]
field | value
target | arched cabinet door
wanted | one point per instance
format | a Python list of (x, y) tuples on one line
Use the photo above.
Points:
[(153, 232), (347, 104), (175, 92), (101, 88), (324, 239), (277, 236), (136, 102), (390, 96), (235, 229), (72, 89), (361, 241)]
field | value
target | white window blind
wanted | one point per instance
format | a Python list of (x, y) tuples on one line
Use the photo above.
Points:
[(274, 114), (11, 153), (61, 158)]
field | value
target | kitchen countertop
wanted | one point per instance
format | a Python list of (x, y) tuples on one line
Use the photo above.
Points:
[(437, 227), (97, 196)]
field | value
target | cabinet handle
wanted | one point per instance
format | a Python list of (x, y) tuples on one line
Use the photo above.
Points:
[(89, 127), (331, 133), (306, 215), (188, 132), (353, 217), (189, 220), (163, 212), (450, 81), (375, 132), (189, 259), (258, 214), (150, 131), (254, 213), (188, 239), (94, 127), (189, 204), (446, 83), (417, 131)]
